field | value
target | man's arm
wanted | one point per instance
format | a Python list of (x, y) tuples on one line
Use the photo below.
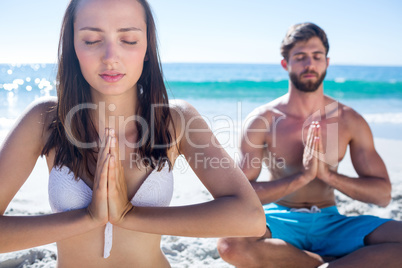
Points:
[(253, 144), (373, 184)]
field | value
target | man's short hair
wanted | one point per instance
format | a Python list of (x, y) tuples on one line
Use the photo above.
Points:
[(302, 32)]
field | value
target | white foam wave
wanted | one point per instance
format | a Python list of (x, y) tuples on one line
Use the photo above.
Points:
[(390, 118), (340, 80)]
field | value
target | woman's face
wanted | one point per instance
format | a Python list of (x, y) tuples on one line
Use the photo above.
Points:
[(110, 39)]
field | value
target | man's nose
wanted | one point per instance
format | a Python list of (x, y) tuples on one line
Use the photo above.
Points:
[(309, 64)]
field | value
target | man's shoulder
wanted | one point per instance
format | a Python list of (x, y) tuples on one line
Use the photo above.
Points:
[(349, 114), (269, 109), (346, 114)]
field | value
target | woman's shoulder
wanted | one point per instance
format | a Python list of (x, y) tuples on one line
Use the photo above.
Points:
[(31, 128), (183, 112), (39, 115), (43, 109), (178, 105)]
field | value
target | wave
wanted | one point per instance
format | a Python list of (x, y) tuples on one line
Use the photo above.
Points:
[(380, 118), (245, 89)]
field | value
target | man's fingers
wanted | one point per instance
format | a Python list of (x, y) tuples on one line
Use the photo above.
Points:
[(319, 134), (310, 139), (307, 145)]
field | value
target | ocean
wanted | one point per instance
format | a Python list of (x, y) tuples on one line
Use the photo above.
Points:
[(231, 90), (223, 94)]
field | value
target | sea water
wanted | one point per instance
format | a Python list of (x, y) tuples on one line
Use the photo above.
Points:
[(230, 91)]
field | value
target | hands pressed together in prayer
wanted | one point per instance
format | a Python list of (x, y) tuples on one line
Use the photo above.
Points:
[(109, 199), (313, 157)]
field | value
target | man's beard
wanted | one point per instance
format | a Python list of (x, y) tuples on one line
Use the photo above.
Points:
[(308, 86)]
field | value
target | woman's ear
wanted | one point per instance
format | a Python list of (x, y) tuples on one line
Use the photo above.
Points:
[(146, 57)]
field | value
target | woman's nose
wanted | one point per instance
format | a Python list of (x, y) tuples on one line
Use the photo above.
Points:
[(111, 54)]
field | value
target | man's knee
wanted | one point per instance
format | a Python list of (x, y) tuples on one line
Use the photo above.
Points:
[(231, 250)]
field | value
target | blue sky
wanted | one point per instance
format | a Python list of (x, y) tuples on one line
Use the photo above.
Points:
[(361, 32)]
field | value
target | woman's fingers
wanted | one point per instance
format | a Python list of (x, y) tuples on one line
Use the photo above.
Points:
[(119, 205), (112, 173), (104, 174), (118, 168), (105, 146), (98, 208), (103, 153), (114, 147)]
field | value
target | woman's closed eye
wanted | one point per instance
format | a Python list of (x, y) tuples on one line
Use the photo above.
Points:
[(90, 43), (129, 42)]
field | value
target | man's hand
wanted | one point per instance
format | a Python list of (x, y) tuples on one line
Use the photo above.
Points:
[(310, 160), (323, 172)]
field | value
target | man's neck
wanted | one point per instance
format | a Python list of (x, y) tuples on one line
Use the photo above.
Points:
[(305, 104)]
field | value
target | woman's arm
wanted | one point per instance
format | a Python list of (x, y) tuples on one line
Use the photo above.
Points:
[(235, 210), (18, 155)]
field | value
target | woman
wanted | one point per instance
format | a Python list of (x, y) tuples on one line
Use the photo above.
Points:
[(110, 141)]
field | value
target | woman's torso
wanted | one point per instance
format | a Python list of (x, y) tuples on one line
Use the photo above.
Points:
[(146, 187)]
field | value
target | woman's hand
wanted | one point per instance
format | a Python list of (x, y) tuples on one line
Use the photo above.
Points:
[(118, 202), (98, 208)]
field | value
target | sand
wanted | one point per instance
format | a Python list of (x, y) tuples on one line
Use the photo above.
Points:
[(183, 251)]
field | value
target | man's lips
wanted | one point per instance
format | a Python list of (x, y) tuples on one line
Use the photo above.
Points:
[(309, 75), (111, 76)]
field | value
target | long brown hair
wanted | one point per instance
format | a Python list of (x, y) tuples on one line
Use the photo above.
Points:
[(73, 90)]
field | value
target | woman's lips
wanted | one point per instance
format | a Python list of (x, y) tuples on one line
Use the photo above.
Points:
[(111, 77)]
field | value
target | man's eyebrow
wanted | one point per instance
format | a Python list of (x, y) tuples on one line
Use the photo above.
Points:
[(121, 30), (304, 53)]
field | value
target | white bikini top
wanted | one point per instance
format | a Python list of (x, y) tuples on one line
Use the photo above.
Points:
[(66, 193)]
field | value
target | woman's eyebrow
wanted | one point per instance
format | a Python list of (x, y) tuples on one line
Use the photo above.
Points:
[(94, 29)]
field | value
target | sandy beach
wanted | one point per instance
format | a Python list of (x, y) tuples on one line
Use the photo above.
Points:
[(183, 251)]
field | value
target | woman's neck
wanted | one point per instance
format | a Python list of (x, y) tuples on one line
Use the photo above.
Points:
[(115, 112)]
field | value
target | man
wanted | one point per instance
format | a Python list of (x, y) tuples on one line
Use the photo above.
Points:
[(307, 133)]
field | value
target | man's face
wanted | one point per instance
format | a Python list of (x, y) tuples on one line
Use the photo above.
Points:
[(307, 65)]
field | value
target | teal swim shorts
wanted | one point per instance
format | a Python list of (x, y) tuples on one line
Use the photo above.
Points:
[(322, 231)]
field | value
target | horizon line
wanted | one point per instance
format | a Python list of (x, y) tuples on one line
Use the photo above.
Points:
[(227, 63)]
